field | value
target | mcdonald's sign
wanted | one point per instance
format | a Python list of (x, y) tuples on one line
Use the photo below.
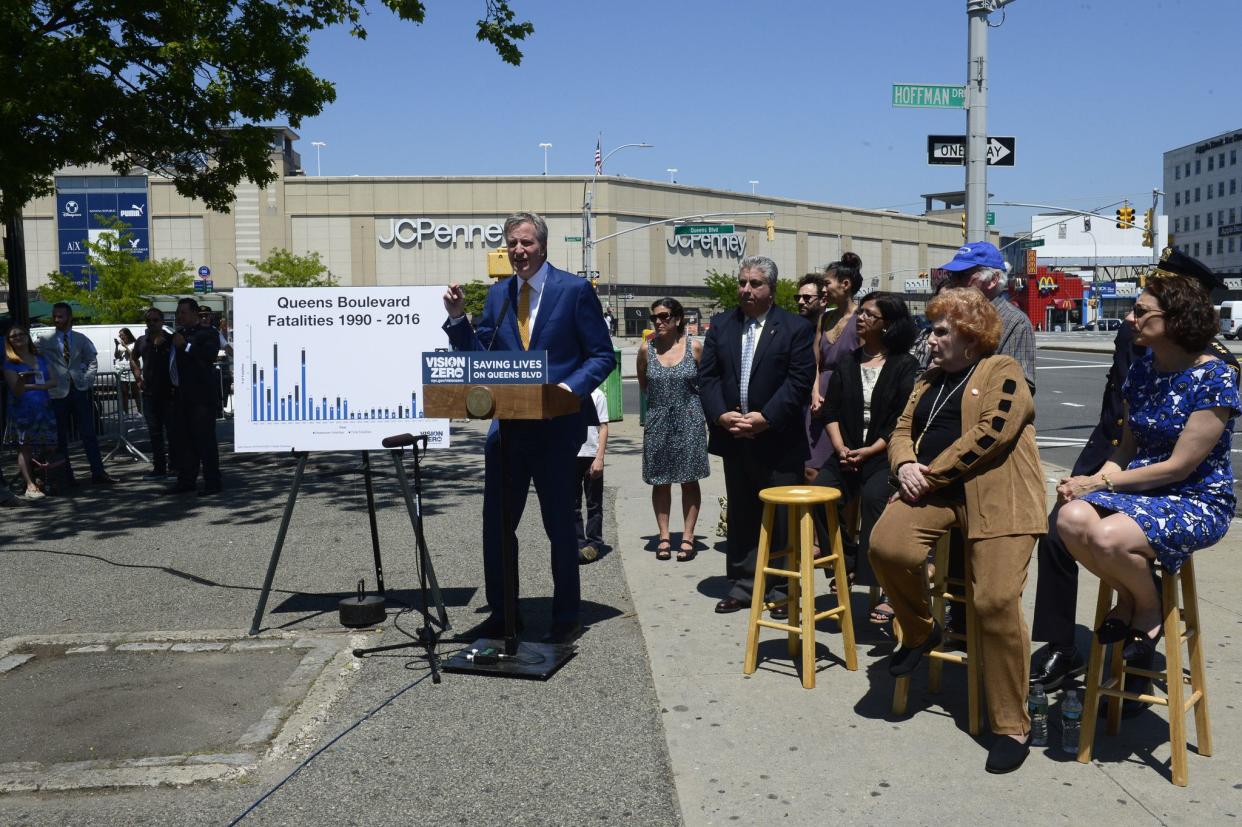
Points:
[(1046, 285)]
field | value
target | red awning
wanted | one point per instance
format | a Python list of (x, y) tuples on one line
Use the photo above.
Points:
[(1064, 304)]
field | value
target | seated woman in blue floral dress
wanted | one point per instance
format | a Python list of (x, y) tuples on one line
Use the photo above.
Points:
[(31, 422), (1167, 491)]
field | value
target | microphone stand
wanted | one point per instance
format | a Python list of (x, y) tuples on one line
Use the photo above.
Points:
[(428, 586)]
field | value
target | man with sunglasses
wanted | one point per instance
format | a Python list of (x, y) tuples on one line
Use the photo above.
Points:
[(1056, 593), (811, 297), (755, 381)]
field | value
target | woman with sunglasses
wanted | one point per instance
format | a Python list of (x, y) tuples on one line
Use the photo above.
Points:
[(31, 421), (1167, 490), (675, 434), (866, 393)]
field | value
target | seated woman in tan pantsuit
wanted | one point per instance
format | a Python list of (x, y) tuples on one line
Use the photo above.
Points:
[(964, 455)]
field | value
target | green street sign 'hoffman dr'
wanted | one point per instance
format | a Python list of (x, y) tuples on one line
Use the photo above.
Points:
[(929, 96)]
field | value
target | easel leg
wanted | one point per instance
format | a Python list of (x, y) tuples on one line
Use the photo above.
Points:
[(375, 547), (280, 542)]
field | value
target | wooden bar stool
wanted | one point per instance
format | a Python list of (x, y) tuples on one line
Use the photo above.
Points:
[(800, 572), (946, 591), (1181, 625)]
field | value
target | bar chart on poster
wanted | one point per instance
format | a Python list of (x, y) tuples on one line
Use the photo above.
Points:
[(333, 368)]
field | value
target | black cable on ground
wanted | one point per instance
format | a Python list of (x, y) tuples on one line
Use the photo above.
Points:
[(317, 752)]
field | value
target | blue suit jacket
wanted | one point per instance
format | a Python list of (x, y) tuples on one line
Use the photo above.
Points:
[(570, 327)]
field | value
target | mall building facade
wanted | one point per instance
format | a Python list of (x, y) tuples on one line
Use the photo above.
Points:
[(380, 230)]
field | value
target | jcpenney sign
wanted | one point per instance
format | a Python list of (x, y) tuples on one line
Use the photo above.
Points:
[(409, 232), (729, 244)]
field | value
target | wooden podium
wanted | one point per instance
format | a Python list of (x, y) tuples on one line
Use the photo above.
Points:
[(505, 404)]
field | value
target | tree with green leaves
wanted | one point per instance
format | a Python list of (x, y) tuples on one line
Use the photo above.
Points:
[(723, 287), (182, 89), (282, 268), (124, 284), (476, 294)]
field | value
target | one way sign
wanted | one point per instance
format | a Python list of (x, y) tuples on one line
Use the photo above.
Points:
[(951, 150)]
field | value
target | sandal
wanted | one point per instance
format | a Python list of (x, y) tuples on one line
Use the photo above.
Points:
[(882, 612), (664, 551), (685, 555)]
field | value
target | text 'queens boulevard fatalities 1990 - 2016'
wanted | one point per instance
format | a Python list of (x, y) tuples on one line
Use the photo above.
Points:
[(387, 311)]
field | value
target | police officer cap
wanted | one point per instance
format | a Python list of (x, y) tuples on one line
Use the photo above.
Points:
[(1177, 263)]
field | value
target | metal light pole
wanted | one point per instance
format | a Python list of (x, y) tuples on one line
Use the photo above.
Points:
[(671, 172), (977, 12), (318, 145), (545, 147), (753, 184), (587, 243)]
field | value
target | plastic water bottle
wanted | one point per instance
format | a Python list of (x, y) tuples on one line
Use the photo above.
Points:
[(1071, 720), (1037, 705)]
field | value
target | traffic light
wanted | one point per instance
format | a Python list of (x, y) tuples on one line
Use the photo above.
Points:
[(498, 265), (771, 225), (1149, 228), (1125, 215), (963, 226), (1119, 219), (1086, 223)]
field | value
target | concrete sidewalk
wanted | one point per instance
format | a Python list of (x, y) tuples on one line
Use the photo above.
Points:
[(760, 748)]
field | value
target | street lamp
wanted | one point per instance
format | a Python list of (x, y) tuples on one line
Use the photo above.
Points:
[(586, 209), (545, 147), (753, 184), (671, 172), (318, 145)]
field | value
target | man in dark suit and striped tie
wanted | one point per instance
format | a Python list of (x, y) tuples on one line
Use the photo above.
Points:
[(755, 375)]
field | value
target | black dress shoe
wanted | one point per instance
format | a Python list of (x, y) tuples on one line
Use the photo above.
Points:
[(563, 633), (1059, 665), (102, 479), (905, 660), (208, 490), (729, 605), (779, 612), (183, 488), (494, 627), (1006, 755)]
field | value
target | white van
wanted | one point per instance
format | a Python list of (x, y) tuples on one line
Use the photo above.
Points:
[(1230, 319)]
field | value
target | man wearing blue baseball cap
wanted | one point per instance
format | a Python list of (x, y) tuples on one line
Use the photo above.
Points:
[(980, 265)]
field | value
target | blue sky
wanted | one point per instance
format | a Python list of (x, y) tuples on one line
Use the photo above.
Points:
[(793, 94)]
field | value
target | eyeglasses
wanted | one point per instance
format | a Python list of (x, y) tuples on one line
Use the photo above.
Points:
[(660, 317), (803, 297), (1138, 311)]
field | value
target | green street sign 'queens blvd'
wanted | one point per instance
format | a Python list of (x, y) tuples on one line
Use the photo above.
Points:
[(704, 229), (929, 96)]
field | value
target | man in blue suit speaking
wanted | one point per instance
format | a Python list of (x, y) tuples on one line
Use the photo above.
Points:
[(539, 308)]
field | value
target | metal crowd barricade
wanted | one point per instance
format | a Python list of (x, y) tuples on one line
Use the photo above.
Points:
[(113, 400)]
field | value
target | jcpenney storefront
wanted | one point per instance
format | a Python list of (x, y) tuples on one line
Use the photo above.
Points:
[(430, 230)]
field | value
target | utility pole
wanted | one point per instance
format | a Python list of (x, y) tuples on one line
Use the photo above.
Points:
[(588, 202), (977, 12)]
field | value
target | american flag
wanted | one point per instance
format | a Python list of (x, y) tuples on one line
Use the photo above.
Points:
[(599, 159)]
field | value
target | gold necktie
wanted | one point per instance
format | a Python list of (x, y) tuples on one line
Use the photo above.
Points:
[(524, 315)]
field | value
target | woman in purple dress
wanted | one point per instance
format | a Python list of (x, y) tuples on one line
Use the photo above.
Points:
[(836, 337)]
